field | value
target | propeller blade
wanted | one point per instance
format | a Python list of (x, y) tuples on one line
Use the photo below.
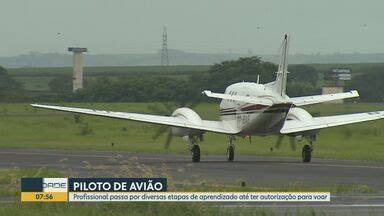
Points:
[(169, 107), (157, 110), (159, 132), (183, 103), (195, 103), (169, 140), (279, 141), (293, 143)]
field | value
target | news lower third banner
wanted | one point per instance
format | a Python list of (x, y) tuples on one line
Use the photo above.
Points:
[(143, 190)]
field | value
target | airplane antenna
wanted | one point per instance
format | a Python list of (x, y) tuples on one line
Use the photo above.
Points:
[(258, 78)]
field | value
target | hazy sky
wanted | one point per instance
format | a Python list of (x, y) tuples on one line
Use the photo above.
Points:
[(214, 26)]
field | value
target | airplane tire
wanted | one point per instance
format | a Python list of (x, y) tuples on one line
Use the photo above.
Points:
[(306, 154), (230, 153), (195, 153)]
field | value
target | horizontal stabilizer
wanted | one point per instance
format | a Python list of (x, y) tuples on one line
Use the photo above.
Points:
[(295, 126), (301, 101), (246, 99)]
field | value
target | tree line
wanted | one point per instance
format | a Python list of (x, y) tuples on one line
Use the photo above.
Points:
[(167, 88), (302, 80)]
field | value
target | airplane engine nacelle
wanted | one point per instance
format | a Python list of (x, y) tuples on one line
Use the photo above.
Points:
[(189, 115), (299, 114)]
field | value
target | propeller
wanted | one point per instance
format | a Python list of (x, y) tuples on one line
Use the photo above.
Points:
[(166, 109), (292, 142)]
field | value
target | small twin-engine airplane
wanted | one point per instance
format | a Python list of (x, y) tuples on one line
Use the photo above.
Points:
[(248, 109)]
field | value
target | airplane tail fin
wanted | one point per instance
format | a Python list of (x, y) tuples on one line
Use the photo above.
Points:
[(280, 83)]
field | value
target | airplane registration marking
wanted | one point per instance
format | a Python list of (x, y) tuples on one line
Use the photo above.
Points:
[(243, 119)]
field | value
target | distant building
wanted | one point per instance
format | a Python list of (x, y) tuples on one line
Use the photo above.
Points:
[(77, 67), (334, 81), (333, 90)]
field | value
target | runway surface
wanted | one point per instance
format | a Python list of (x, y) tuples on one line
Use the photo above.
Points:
[(254, 171)]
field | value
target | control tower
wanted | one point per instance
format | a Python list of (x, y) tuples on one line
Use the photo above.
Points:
[(77, 67)]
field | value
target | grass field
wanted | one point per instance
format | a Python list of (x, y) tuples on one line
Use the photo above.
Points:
[(25, 127), (149, 208)]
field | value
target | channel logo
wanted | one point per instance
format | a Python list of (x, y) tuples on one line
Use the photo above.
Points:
[(55, 185), (44, 189)]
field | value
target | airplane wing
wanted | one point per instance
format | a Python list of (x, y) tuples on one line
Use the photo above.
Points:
[(294, 126), (252, 100), (301, 101), (206, 125)]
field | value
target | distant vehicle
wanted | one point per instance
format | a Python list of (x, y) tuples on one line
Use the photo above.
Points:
[(248, 109)]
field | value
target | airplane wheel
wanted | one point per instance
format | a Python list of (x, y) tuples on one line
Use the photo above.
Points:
[(306, 154), (230, 153), (195, 153)]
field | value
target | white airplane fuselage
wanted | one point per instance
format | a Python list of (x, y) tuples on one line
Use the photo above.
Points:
[(254, 119)]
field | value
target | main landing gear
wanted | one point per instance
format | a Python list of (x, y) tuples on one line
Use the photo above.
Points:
[(306, 153), (231, 149), (195, 153), (195, 148)]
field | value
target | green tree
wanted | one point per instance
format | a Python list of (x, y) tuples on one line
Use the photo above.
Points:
[(243, 69), (369, 85), (10, 89), (61, 85), (304, 74), (301, 80)]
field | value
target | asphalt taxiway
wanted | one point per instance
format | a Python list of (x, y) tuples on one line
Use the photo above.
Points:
[(255, 171)]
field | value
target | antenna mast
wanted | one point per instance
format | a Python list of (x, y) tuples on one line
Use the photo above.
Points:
[(164, 50)]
